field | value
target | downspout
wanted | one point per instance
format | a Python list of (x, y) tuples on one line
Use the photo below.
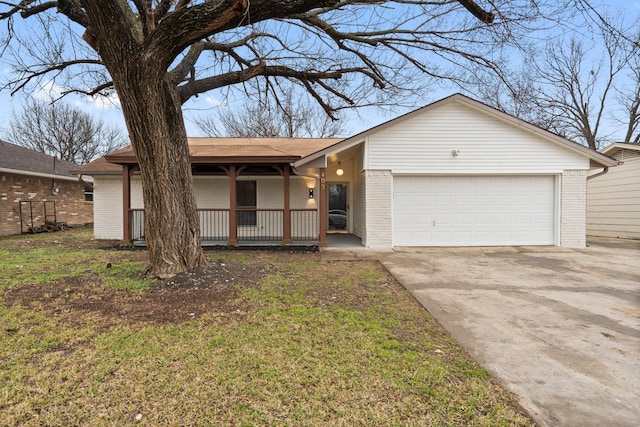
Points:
[(604, 171), (84, 182)]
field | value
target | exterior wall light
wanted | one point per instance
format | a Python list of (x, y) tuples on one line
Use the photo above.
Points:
[(311, 193), (339, 172), (455, 153), (55, 190)]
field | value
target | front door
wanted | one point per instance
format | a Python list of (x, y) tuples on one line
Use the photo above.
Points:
[(338, 207)]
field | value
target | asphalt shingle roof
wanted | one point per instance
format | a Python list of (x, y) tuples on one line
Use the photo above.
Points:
[(212, 148), (23, 159)]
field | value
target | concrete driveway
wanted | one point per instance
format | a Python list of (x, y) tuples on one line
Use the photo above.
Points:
[(560, 328)]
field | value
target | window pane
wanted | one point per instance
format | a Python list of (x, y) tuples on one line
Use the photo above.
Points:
[(246, 198), (246, 194), (247, 218)]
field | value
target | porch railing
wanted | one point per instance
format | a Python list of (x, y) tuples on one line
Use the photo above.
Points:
[(214, 225), (304, 225), (253, 225)]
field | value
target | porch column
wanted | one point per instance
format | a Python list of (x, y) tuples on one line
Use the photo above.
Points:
[(233, 203), (322, 237), (126, 204), (286, 229)]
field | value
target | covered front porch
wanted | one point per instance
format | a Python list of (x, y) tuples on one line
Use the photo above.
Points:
[(245, 204), (216, 228), (249, 192)]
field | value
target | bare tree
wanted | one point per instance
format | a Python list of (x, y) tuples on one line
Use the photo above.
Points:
[(63, 132), (288, 116), (570, 86), (157, 54), (629, 98)]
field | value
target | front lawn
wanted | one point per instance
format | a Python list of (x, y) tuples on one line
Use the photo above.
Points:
[(259, 338)]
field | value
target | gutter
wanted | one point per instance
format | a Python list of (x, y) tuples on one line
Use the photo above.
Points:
[(308, 175), (604, 171), (88, 184), (38, 174)]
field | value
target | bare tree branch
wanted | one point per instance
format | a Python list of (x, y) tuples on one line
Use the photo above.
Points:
[(283, 114), (31, 75), (160, 53), (62, 131)]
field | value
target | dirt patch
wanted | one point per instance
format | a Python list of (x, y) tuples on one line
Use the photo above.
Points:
[(187, 296)]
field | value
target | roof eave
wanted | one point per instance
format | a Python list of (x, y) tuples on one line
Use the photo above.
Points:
[(40, 174), (128, 160)]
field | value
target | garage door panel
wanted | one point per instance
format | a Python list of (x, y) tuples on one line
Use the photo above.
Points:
[(501, 218), (474, 211), (463, 219), (421, 219), (501, 200), (463, 201), (481, 219)]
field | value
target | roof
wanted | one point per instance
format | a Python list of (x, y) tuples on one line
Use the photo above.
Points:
[(24, 161), (221, 150), (356, 139), (233, 149), (99, 166), (612, 148), (301, 151)]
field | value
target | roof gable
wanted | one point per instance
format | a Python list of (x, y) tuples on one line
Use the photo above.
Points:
[(476, 105), (622, 151), (24, 160)]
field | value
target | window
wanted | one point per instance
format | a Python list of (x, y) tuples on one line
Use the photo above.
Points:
[(246, 197), (88, 194)]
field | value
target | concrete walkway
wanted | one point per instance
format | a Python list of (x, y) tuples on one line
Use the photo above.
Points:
[(559, 327)]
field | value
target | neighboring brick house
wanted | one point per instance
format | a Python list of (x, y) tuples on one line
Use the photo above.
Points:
[(41, 188)]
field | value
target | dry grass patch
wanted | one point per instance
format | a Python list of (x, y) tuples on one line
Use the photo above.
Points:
[(257, 338)]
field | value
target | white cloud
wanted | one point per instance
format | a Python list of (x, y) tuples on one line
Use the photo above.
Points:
[(102, 102), (48, 91), (215, 102)]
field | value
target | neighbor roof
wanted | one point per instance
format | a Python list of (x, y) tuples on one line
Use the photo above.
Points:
[(458, 97), (23, 161), (612, 148)]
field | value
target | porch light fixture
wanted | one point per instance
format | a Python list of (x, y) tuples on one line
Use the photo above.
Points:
[(339, 172), (455, 153), (311, 193)]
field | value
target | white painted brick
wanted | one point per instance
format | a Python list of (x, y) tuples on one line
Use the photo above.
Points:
[(573, 208), (379, 196)]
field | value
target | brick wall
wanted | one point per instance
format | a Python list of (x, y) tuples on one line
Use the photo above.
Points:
[(573, 209), (379, 196), (70, 206)]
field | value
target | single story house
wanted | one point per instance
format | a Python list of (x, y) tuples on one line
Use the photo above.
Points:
[(613, 196), (453, 173), (36, 188)]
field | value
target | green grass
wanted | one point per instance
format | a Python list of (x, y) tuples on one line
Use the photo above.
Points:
[(312, 343)]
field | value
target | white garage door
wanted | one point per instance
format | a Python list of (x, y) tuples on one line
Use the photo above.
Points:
[(473, 211)]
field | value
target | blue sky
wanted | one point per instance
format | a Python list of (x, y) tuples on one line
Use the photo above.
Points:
[(107, 109)]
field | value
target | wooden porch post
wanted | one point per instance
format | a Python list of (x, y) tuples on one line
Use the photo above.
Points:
[(233, 203), (126, 204), (322, 238), (286, 229)]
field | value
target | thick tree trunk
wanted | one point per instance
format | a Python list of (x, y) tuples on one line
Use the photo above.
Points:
[(154, 119), (153, 115)]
